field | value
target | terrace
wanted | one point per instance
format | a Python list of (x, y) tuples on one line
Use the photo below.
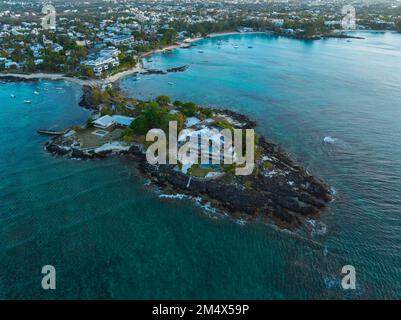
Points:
[(90, 138)]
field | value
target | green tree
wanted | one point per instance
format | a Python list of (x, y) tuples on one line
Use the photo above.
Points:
[(177, 103), (168, 36), (163, 100), (180, 118), (89, 123), (189, 109), (128, 135), (152, 117)]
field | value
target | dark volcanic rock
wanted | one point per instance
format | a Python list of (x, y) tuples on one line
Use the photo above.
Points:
[(153, 71), (278, 190), (86, 99), (268, 197), (6, 78), (247, 123), (178, 69), (56, 149)]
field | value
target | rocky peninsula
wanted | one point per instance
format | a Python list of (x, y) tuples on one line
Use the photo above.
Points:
[(279, 190)]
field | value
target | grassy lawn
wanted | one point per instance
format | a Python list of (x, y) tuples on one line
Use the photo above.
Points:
[(196, 171)]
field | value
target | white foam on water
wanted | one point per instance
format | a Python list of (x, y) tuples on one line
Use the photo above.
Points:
[(332, 282), (241, 221), (329, 139), (325, 251), (179, 196), (113, 146), (333, 192), (315, 227)]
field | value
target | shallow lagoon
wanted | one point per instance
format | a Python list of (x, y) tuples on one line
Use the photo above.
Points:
[(110, 236)]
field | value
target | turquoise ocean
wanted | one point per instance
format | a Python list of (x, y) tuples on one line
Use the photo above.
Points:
[(334, 105)]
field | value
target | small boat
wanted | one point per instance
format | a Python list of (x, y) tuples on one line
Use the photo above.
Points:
[(170, 83), (36, 92), (236, 47), (200, 51), (27, 101), (12, 95), (250, 47), (349, 40)]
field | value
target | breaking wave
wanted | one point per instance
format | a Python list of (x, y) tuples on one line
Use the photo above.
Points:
[(329, 139)]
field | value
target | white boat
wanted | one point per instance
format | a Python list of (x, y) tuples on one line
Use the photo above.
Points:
[(236, 47), (12, 95), (170, 83), (36, 92), (28, 101)]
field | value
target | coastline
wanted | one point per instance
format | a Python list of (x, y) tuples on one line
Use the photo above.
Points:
[(268, 194), (47, 76), (83, 82), (139, 68), (278, 191)]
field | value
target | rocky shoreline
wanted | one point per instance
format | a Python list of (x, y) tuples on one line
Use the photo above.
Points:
[(286, 195), (279, 191), (286, 200)]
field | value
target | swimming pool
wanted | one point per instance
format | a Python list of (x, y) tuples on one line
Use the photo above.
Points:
[(100, 133)]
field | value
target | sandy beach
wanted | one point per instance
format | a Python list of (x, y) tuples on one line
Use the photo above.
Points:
[(51, 76), (118, 76)]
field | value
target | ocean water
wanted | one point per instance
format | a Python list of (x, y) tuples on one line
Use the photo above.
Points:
[(333, 104)]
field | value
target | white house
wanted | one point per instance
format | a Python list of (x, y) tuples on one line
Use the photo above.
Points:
[(11, 64), (106, 122), (120, 40), (123, 121), (208, 142), (107, 58)]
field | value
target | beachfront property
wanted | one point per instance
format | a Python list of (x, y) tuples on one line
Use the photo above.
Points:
[(108, 123), (105, 123), (9, 64), (37, 50), (120, 40), (106, 59), (208, 141)]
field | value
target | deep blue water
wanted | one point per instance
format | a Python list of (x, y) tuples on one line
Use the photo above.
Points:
[(110, 236)]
